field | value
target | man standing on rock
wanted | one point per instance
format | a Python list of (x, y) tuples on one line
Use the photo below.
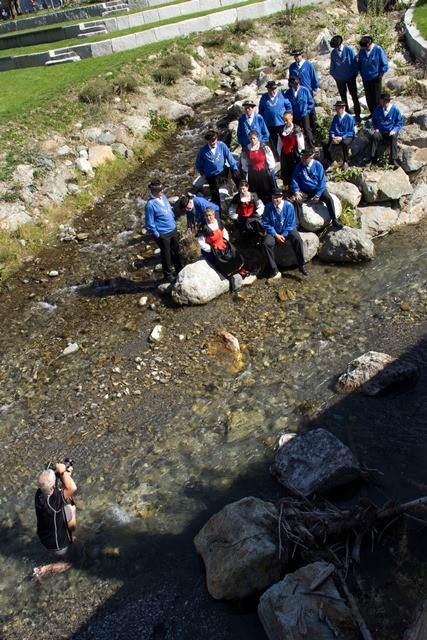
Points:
[(344, 69), (160, 222), (309, 181), (387, 121), (212, 161), (271, 107), (373, 64), (305, 71), (251, 121), (281, 225), (302, 104)]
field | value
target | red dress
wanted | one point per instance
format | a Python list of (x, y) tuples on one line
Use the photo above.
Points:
[(260, 177)]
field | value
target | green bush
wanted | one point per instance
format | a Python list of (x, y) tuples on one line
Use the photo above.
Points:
[(234, 47), (379, 28), (172, 67), (167, 75), (242, 27), (128, 82), (217, 39), (96, 90)]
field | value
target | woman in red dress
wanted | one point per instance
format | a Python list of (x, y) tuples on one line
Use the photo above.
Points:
[(258, 162), (290, 143)]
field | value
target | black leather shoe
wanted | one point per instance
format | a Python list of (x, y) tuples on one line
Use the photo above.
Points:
[(337, 225), (303, 270)]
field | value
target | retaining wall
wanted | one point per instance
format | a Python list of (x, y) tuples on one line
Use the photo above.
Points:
[(417, 45)]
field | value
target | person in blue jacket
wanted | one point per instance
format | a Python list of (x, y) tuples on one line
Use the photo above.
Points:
[(211, 162), (302, 104), (344, 68), (280, 224), (195, 207), (160, 222), (387, 121), (341, 134), (309, 181), (373, 64), (251, 121), (271, 107), (305, 71)]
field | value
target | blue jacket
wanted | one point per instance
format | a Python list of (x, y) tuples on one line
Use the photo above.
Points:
[(306, 73), (309, 179), (272, 109), (210, 164), (302, 103), (374, 65), (282, 222), (342, 127), (258, 125), (159, 216), (393, 121), (196, 216), (345, 66)]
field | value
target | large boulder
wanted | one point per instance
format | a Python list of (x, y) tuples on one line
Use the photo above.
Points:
[(347, 245), (346, 192), (377, 220), (240, 549), (315, 215), (379, 186), (285, 255), (198, 283), (413, 135), (100, 154), (190, 93), (314, 462), (412, 158), (413, 208), (420, 118), (374, 373), (291, 610)]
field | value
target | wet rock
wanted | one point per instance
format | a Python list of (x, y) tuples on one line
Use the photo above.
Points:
[(142, 302), (346, 192), (315, 215), (241, 423), (239, 546), (347, 245), (378, 186), (100, 154), (230, 342), (72, 348), (53, 274), (377, 220), (289, 610), (285, 255), (198, 283), (156, 334), (374, 373), (314, 462)]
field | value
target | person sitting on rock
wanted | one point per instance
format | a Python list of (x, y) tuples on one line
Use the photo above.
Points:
[(280, 224), (302, 104), (305, 71), (290, 143), (373, 64), (195, 207), (251, 121), (213, 240), (387, 121), (246, 210), (341, 134), (344, 68), (309, 182)]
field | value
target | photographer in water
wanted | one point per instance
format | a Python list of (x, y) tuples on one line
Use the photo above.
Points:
[(56, 517)]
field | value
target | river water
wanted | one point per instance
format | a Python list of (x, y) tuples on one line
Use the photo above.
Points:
[(164, 435)]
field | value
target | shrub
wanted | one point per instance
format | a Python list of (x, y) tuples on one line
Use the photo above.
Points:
[(128, 82), (242, 27), (97, 90), (217, 39), (234, 47), (167, 75), (172, 67)]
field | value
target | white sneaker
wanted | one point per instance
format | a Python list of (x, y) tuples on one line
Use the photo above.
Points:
[(249, 280), (276, 276)]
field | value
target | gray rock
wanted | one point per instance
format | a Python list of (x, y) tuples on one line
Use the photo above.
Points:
[(65, 150), (412, 158), (346, 192), (374, 373), (242, 62), (420, 118), (285, 255), (92, 133), (314, 462), (347, 245), (198, 283), (84, 166), (13, 215), (378, 186), (100, 154), (315, 215), (377, 220), (239, 546), (397, 84), (413, 135), (288, 610), (121, 150), (23, 174), (137, 125), (106, 138), (174, 111), (413, 208)]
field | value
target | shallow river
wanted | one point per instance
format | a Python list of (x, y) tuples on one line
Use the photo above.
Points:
[(163, 436)]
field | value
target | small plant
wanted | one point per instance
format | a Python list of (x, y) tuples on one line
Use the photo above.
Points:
[(172, 67), (348, 216), (216, 39), (322, 129), (347, 175), (255, 62), (288, 16), (409, 88), (234, 47), (128, 82), (96, 91), (242, 27), (378, 27), (159, 126)]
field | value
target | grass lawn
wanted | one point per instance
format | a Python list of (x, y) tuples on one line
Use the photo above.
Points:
[(124, 32), (420, 17)]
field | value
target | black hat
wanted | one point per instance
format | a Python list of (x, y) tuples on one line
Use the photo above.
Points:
[(271, 84), (293, 80), (211, 135), (335, 42), (248, 103), (277, 192), (183, 201), (340, 103), (156, 185), (297, 52), (365, 41), (307, 153), (385, 96)]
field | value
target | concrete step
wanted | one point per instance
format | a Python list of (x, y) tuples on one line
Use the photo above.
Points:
[(92, 31), (59, 56), (110, 12)]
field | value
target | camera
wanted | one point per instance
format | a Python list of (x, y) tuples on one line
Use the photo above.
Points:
[(69, 462)]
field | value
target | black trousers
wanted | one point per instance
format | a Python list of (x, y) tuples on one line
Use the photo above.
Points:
[(274, 136), (305, 125), (384, 137), (344, 145), (269, 243), (325, 197), (372, 92), (214, 183), (350, 84), (169, 252)]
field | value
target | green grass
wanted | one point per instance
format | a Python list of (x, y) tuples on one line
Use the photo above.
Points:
[(420, 17)]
